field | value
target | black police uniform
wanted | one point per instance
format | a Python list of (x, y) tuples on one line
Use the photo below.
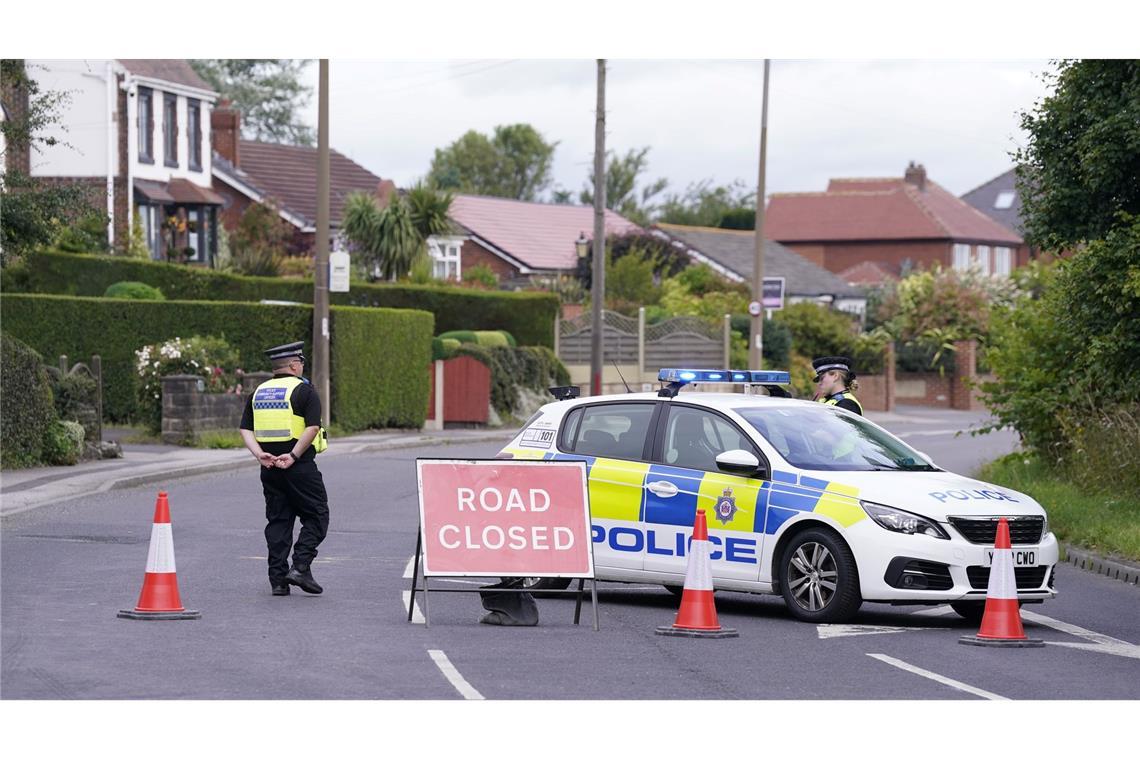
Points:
[(294, 492)]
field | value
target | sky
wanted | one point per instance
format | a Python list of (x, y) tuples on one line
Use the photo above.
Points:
[(700, 118)]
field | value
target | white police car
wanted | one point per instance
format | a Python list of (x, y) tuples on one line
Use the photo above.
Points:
[(802, 499)]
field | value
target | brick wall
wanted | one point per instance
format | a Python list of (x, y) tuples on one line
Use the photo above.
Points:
[(876, 393), (472, 254), (838, 257), (187, 411)]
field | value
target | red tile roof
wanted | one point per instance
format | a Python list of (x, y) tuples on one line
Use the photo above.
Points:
[(879, 209), (539, 235), (175, 70)]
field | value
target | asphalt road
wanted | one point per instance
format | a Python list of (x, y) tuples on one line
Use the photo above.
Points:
[(67, 569)]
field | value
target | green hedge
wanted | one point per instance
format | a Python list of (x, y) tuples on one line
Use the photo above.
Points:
[(369, 346), (27, 411), (529, 317)]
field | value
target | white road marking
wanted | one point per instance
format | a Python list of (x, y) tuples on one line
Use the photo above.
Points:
[(939, 611), (451, 674), (935, 677), (417, 616), (836, 631), (409, 567), (1100, 642)]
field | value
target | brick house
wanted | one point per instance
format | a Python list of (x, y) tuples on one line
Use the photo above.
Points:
[(249, 171), (1000, 200), (894, 222), (136, 132)]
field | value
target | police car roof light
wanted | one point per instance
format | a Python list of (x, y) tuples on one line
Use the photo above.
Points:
[(736, 376)]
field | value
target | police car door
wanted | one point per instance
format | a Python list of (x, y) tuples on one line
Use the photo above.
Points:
[(613, 438), (683, 476)]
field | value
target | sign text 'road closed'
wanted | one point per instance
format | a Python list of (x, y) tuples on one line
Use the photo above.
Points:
[(500, 518)]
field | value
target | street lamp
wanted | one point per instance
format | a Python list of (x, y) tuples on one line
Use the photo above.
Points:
[(582, 245)]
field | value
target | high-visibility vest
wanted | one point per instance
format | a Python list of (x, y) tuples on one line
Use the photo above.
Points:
[(834, 400), (273, 416)]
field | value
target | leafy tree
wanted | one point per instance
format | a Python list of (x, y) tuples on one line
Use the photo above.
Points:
[(393, 240), (260, 242), (268, 92), (622, 195), (730, 206), (514, 163), (629, 284), (1081, 165)]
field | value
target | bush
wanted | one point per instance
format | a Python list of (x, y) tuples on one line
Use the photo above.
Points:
[(138, 291), (26, 407), (481, 275), (298, 267), (88, 234), (481, 337), (777, 341), (208, 357), (75, 399), (260, 242), (63, 443), (527, 316)]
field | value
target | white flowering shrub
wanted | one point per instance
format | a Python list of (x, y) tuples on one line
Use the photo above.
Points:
[(207, 357)]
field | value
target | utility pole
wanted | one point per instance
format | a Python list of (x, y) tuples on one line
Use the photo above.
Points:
[(756, 345), (598, 291), (321, 273)]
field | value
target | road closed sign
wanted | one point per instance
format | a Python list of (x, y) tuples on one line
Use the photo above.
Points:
[(505, 518)]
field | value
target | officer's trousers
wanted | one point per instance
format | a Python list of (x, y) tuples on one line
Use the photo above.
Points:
[(296, 492)]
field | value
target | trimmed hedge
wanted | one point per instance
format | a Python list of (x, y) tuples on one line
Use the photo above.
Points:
[(27, 411), (529, 317), (378, 345)]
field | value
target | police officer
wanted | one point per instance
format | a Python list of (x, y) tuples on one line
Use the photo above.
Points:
[(834, 383), (281, 426)]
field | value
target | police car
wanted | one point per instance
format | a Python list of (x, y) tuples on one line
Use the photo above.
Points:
[(804, 500)]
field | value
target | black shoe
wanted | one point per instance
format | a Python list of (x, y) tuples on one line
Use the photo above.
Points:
[(280, 589), (304, 579)]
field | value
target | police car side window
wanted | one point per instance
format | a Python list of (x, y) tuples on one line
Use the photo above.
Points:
[(615, 431), (694, 438), (570, 430)]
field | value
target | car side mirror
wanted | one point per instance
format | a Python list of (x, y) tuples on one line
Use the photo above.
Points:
[(740, 462)]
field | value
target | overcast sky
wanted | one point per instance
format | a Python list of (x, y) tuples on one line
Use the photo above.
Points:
[(701, 118)]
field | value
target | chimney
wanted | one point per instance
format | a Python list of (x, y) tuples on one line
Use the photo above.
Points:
[(225, 131), (916, 175), (384, 192)]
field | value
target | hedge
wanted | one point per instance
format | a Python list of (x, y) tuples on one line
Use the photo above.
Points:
[(527, 316), (27, 410), (378, 357)]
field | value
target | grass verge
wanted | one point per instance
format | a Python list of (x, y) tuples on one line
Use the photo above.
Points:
[(1105, 522)]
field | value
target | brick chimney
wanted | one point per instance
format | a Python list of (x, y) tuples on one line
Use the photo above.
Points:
[(225, 131), (384, 192), (916, 175)]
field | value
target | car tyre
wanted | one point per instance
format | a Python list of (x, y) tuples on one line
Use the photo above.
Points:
[(538, 585), (819, 579), (675, 590), (972, 611)]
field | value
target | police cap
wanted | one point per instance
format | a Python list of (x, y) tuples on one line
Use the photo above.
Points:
[(825, 363), (286, 351)]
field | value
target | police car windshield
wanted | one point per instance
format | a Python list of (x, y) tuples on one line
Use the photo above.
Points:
[(821, 439)]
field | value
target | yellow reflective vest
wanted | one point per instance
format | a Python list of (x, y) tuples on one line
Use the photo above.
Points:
[(273, 415), (834, 400)]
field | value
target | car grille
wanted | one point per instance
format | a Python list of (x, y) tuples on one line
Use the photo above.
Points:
[(1027, 577), (983, 530)]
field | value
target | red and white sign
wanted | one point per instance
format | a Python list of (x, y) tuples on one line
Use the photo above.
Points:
[(505, 518)]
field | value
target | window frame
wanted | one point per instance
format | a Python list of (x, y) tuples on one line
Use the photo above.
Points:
[(145, 131), (982, 258), (194, 133), (658, 453), (965, 250), (578, 414), (170, 130), (1007, 269)]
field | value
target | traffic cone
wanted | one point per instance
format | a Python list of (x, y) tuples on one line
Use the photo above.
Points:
[(697, 616), (1001, 622), (159, 599)]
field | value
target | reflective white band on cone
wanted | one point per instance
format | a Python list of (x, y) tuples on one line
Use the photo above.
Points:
[(698, 575), (160, 558), (1003, 582)]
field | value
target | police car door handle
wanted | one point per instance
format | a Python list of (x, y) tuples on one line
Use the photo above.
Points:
[(663, 488)]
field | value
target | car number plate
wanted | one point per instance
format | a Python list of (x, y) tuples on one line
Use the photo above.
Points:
[(1021, 557)]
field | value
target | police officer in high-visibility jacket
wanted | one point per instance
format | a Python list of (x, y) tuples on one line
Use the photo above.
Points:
[(835, 383), (281, 426)]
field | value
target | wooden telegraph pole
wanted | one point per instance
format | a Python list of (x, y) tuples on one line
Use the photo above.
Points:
[(321, 275), (598, 291), (756, 345)]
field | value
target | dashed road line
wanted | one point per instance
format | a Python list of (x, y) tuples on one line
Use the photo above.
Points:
[(940, 679), (453, 676)]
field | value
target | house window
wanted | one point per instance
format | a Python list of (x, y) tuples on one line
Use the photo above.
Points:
[(194, 233), (445, 259), (146, 216), (961, 257), (194, 130), (1005, 199), (170, 130), (146, 125), (982, 258), (1003, 261)]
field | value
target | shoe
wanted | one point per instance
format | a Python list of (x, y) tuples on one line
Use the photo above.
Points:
[(304, 579), (280, 589)]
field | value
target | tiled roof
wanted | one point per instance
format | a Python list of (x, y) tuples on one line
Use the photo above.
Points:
[(176, 70), (879, 209), (867, 273), (538, 235), (735, 250), (288, 174), (983, 199)]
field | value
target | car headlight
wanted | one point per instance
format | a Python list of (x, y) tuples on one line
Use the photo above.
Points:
[(902, 522), (1045, 526)]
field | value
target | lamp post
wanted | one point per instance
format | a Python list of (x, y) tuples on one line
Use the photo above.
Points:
[(582, 245)]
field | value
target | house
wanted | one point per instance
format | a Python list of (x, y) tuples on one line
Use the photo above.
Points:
[(1000, 200), (732, 253), (517, 239), (894, 222), (136, 132), (248, 171)]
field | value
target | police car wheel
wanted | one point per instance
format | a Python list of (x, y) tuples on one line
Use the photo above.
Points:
[(819, 578), (676, 591), (545, 584)]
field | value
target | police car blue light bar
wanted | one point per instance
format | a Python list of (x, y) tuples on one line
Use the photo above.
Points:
[(737, 376)]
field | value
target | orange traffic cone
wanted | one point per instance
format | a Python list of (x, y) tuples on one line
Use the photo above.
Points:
[(1001, 622), (697, 616), (159, 599)]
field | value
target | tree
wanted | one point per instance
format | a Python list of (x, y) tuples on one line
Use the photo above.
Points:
[(622, 196), (260, 241), (731, 206), (268, 92), (513, 163), (393, 240), (1081, 165)]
